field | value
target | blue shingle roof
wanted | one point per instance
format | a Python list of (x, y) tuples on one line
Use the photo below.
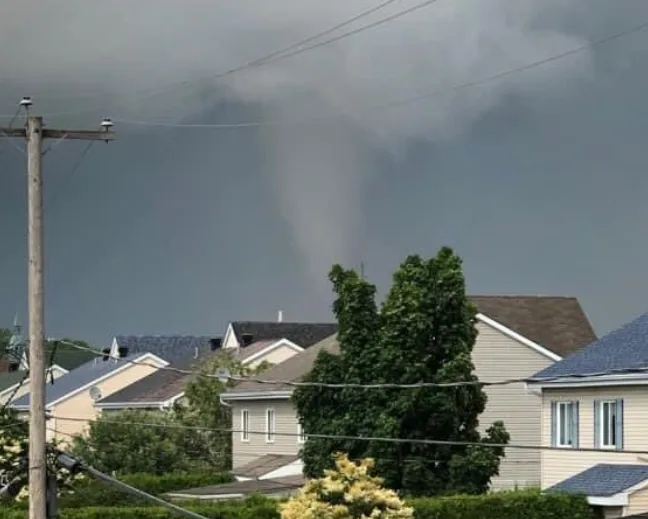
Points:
[(173, 349), (603, 480), (621, 349)]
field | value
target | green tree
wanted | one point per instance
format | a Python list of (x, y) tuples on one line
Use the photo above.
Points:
[(424, 331), (124, 442), (203, 409), (14, 451)]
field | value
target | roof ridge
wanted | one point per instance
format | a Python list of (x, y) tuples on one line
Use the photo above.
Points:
[(536, 296)]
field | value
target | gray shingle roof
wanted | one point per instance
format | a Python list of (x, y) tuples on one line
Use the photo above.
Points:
[(603, 480), (254, 486), (170, 348), (302, 334), (264, 465), (623, 348)]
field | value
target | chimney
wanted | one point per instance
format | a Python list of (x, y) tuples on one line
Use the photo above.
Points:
[(215, 343), (106, 353), (122, 352), (247, 339), (280, 316)]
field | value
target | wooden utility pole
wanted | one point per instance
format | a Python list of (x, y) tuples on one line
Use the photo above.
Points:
[(35, 134)]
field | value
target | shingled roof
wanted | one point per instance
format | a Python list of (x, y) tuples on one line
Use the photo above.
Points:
[(302, 334), (555, 323), (603, 480)]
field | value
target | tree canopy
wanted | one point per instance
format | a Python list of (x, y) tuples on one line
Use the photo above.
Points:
[(424, 331)]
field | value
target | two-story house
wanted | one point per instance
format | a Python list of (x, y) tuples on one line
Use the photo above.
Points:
[(517, 336), (595, 421)]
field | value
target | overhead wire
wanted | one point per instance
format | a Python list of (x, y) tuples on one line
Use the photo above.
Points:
[(376, 439), (402, 102), (414, 385)]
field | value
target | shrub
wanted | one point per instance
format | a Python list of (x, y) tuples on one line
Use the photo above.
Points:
[(530, 504)]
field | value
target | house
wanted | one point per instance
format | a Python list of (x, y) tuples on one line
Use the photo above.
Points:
[(61, 358), (597, 399), (70, 398), (251, 342), (518, 336)]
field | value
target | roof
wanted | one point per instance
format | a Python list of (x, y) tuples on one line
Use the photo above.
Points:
[(302, 334), (556, 323), (165, 384), (9, 379), (253, 486), (603, 480), (170, 348), (264, 465), (624, 348), (291, 369), (66, 356)]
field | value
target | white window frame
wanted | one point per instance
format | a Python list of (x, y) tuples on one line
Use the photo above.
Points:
[(301, 437), (270, 425), (610, 427), (569, 418), (245, 425)]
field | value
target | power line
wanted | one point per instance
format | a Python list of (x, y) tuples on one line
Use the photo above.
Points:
[(402, 102), (224, 377), (378, 439)]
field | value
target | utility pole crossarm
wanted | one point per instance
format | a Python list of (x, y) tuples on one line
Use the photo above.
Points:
[(18, 133), (80, 135)]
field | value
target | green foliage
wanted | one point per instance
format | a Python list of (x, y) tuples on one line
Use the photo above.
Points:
[(203, 408), (424, 331), (115, 443), (14, 452), (97, 493), (505, 505)]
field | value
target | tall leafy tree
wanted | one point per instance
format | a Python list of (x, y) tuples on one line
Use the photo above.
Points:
[(424, 331)]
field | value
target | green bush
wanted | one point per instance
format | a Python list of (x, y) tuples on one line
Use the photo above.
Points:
[(505, 505), (529, 504)]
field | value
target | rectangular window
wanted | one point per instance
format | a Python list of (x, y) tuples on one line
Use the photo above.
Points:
[(271, 425), (245, 425), (301, 437), (566, 424), (608, 424)]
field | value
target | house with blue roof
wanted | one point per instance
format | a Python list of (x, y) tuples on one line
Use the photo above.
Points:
[(595, 421), (70, 399)]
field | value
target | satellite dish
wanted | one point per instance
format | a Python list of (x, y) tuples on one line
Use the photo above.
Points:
[(95, 393)]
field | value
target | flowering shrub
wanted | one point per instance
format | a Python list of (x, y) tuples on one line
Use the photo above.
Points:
[(14, 449), (349, 492)]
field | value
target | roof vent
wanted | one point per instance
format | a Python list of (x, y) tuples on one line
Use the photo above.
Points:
[(122, 352), (280, 316), (247, 339), (106, 353), (215, 343)]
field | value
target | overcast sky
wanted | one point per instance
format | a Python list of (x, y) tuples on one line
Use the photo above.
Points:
[(538, 180)]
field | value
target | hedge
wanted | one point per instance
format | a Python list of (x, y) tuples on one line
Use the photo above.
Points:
[(505, 505), (91, 493)]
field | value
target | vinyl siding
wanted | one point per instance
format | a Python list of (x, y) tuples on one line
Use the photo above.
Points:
[(286, 430), (275, 356), (497, 357), (558, 465), (81, 406), (638, 502)]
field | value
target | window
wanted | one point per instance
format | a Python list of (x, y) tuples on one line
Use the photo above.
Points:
[(301, 437), (608, 424), (271, 425), (564, 424), (245, 425)]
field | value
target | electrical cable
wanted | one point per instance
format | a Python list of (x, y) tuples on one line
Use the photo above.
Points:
[(416, 385), (402, 102), (377, 439)]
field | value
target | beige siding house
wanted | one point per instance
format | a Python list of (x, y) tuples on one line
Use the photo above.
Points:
[(595, 421), (518, 336), (250, 342)]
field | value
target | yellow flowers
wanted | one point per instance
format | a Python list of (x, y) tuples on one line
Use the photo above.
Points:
[(349, 492)]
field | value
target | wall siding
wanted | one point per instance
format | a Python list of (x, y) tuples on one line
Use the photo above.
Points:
[(81, 406), (638, 502), (275, 356), (558, 465), (286, 425), (497, 357)]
